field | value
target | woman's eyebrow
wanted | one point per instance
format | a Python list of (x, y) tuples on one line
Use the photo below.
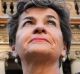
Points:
[(29, 18), (51, 16)]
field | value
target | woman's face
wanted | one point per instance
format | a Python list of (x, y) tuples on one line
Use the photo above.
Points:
[(39, 35)]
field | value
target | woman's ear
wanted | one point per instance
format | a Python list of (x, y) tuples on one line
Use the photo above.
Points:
[(14, 53), (64, 54), (13, 47)]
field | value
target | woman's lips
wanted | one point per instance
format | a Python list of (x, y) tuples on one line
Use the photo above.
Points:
[(39, 40)]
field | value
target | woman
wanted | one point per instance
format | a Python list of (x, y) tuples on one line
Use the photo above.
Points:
[(40, 34)]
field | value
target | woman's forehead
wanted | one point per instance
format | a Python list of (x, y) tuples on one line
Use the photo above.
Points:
[(42, 11)]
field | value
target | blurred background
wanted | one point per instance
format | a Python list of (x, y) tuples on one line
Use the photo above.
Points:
[(10, 66)]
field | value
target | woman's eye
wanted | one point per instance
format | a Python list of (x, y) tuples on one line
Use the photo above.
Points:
[(28, 23), (50, 22)]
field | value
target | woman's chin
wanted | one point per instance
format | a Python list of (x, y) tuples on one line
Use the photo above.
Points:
[(39, 48), (39, 53)]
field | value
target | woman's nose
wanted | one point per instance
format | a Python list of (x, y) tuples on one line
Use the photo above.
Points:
[(39, 30)]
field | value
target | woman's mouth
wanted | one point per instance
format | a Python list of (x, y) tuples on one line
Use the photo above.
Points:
[(39, 40)]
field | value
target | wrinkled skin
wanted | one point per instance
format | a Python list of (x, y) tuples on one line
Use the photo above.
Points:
[(39, 37)]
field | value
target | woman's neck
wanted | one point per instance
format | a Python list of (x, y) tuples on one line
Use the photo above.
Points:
[(39, 68)]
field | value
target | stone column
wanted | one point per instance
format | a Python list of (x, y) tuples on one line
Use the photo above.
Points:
[(2, 67), (75, 66), (79, 7), (75, 60), (1, 13), (61, 69), (3, 57), (71, 7)]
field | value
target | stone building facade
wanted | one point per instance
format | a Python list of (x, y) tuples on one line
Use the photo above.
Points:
[(70, 66)]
